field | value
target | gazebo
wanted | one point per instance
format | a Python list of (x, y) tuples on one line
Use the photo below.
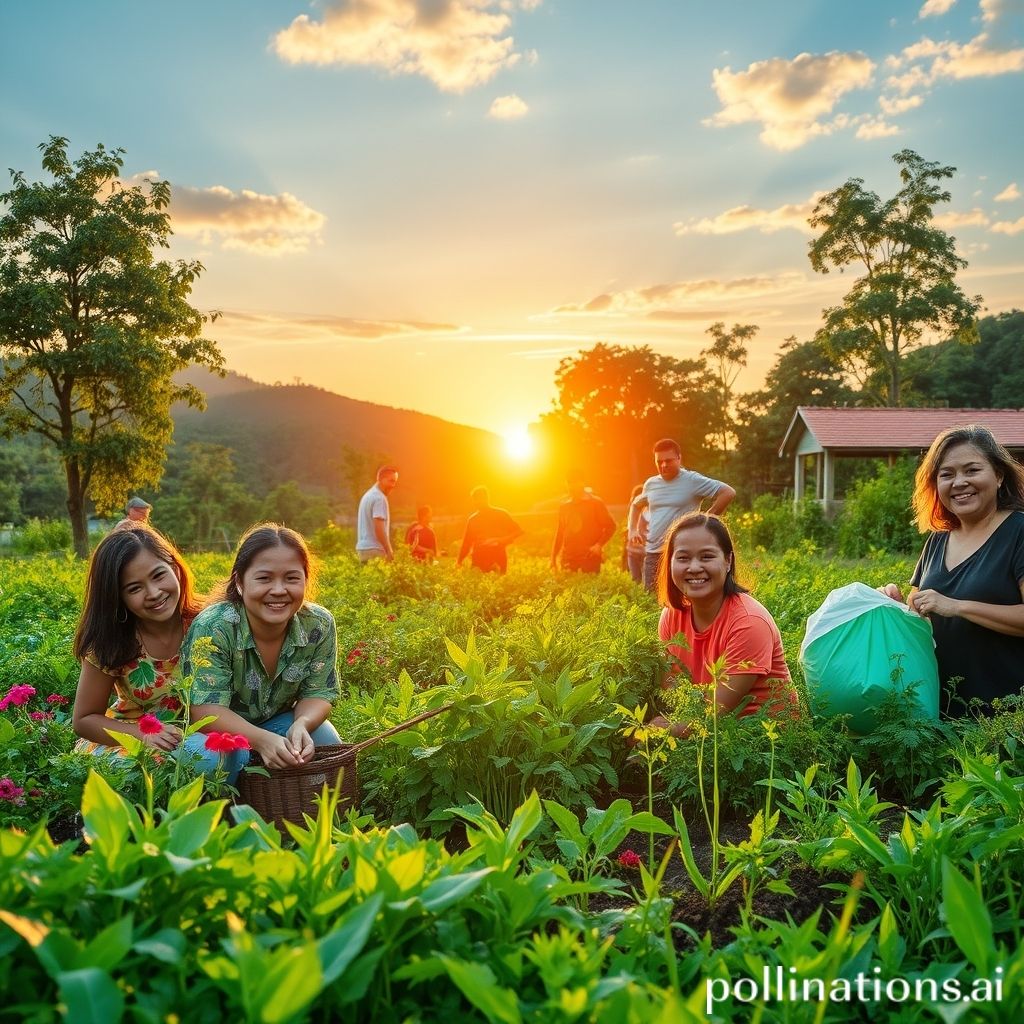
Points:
[(829, 433)]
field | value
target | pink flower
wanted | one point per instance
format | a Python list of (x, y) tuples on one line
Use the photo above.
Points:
[(9, 791), (19, 695), (40, 716), (392, 618), (56, 698), (629, 859), (35, 793), (225, 742), (150, 725), (4, 701)]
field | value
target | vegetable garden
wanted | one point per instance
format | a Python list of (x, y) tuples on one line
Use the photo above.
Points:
[(515, 859)]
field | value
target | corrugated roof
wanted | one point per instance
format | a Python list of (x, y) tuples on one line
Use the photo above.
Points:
[(897, 429)]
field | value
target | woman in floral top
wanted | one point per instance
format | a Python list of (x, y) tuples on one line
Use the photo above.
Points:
[(269, 672), (139, 600)]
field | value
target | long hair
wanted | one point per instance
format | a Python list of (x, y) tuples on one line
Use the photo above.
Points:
[(259, 538), (107, 629), (668, 592), (930, 513)]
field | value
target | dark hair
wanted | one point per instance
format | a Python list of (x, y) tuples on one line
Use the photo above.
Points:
[(424, 511), (102, 632), (385, 470), (931, 514), (668, 592), (480, 492), (259, 538), (666, 444)]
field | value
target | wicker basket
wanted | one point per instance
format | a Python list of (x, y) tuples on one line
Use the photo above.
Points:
[(286, 794)]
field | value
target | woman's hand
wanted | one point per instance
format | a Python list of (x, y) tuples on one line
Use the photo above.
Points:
[(678, 729), (166, 739), (275, 750), (892, 590), (300, 742), (931, 602)]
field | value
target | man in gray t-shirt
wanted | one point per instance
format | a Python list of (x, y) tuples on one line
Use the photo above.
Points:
[(673, 492), (373, 523)]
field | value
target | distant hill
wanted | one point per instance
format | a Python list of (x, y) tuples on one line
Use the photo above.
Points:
[(214, 386), (300, 432)]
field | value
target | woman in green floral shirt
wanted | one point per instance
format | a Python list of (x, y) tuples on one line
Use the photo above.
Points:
[(270, 672)]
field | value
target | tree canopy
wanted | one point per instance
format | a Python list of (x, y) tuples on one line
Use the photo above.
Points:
[(92, 327), (909, 286)]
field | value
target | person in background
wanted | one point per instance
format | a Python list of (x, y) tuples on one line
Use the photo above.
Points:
[(136, 514), (584, 527), (272, 674), (704, 603), (373, 521), (671, 493), (139, 601), (634, 548), (420, 536), (489, 531), (969, 580)]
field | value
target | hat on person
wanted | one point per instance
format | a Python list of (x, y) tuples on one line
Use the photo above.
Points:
[(138, 503)]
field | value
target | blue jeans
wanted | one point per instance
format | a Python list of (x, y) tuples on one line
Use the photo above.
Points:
[(650, 571), (279, 724)]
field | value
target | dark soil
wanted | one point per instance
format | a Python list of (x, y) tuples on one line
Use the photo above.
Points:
[(63, 829)]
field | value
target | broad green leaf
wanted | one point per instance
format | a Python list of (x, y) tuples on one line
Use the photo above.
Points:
[(294, 980), (191, 831), (186, 798), (526, 818), (478, 984), (567, 822), (108, 948), (340, 947), (644, 821), (967, 918), (686, 852), (406, 870), (870, 843), (166, 945), (444, 892), (91, 997), (106, 816)]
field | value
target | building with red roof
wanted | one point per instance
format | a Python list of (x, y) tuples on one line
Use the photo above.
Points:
[(817, 437)]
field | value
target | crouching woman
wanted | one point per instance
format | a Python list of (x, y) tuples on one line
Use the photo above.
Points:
[(719, 619), (268, 670)]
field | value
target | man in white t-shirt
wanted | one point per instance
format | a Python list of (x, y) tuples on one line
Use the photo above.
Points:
[(373, 523), (673, 492)]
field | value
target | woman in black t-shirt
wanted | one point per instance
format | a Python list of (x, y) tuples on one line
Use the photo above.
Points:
[(969, 579)]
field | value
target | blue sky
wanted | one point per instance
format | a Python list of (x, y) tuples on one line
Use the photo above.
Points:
[(428, 203)]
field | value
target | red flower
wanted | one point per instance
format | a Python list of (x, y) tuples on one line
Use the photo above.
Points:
[(629, 859), (392, 618), (170, 702), (225, 742), (150, 725), (18, 695), (9, 791), (40, 716), (56, 698)]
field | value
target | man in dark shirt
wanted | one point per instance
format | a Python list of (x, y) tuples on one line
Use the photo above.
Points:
[(420, 536), (584, 527), (488, 532)]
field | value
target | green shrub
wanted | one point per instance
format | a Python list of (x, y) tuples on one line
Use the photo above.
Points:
[(42, 536), (778, 524), (876, 515)]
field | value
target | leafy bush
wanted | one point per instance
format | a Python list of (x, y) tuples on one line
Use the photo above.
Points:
[(42, 536), (778, 524), (876, 514)]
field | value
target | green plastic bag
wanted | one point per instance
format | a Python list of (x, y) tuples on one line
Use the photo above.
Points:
[(859, 647)]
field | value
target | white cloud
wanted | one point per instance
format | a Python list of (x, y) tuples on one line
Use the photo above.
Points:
[(745, 218), (306, 329), (933, 8), (961, 219), (1009, 227), (929, 61), (456, 44), (790, 98), (993, 10), (893, 105), (661, 298), (508, 108), (1009, 193), (876, 128), (267, 224)]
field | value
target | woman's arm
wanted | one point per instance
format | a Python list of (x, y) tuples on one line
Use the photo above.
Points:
[(89, 715), (275, 750), (1000, 618)]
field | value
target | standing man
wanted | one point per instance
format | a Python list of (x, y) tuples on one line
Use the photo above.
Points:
[(584, 527), (136, 513), (373, 523), (667, 496), (489, 532)]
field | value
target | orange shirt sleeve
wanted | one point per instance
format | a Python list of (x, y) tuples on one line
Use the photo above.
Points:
[(749, 642)]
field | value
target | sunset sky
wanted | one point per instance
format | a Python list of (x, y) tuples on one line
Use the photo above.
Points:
[(427, 204)]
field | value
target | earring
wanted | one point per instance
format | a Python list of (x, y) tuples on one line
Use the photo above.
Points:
[(118, 616)]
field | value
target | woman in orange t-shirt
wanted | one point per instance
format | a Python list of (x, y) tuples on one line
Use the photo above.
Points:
[(718, 617)]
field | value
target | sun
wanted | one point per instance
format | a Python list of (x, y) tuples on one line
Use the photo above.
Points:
[(518, 444)]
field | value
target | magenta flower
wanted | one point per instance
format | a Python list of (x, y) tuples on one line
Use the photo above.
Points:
[(225, 742), (40, 716), (9, 791), (19, 695), (150, 725), (629, 859), (56, 698)]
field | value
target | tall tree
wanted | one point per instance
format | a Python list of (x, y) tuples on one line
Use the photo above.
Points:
[(727, 355), (909, 286), (614, 401), (92, 327)]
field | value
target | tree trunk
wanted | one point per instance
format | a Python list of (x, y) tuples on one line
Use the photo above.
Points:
[(76, 510)]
